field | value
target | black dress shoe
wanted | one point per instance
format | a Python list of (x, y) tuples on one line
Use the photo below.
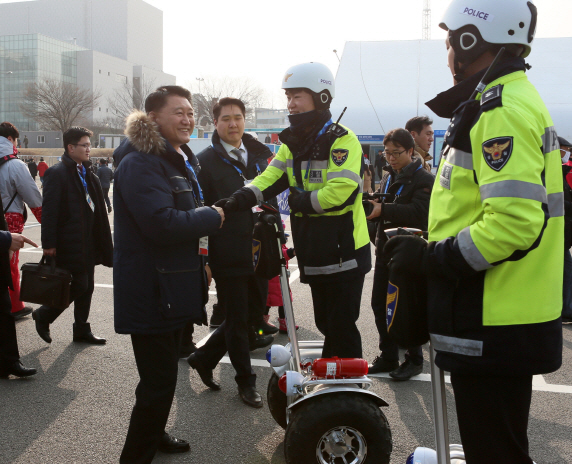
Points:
[(171, 445), (205, 374), (42, 327), (186, 351), (16, 368), (267, 329), (256, 341), (250, 396), (22, 313), (380, 365), (217, 317), (88, 337), (406, 371)]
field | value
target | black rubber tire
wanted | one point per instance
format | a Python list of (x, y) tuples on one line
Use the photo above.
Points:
[(276, 401), (309, 422)]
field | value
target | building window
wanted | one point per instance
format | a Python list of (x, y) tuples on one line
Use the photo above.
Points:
[(41, 139), (100, 71), (108, 73), (100, 108)]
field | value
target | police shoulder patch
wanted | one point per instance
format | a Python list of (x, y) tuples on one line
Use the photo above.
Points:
[(497, 152), (339, 156), (391, 303)]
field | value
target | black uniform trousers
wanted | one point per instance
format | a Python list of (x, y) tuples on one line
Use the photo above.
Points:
[(492, 412), (389, 349), (81, 291), (157, 358), (8, 342), (106, 196), (336, 311), (235, 295)]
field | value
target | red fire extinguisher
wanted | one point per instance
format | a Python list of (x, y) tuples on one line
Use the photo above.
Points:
[(339, 367)]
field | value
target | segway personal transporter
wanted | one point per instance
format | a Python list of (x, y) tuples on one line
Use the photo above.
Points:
[(325, 405)]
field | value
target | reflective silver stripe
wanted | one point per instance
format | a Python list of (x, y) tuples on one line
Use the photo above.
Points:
[(550, 140), (314, 165), (345, 173), (331, 269), (460, 158), (514, 189), (457, 345), (289, 163), (315, 202), (470, 251), (257, 192), (556, 204), (278, 164)]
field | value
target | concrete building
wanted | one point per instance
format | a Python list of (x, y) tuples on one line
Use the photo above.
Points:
[(99, 45), (384, 84), (270, 118)]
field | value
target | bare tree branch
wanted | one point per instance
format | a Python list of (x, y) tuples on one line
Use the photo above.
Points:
[(57, 105), (130, 97)]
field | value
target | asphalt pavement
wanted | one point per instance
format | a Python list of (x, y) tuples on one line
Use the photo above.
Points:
[(77, 408)]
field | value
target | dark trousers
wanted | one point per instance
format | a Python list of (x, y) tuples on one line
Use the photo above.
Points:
[(157, 357), (106, 196), (81, 291), (8, 341), (493, 417), (389, 349), (235, 295), (336, 311)]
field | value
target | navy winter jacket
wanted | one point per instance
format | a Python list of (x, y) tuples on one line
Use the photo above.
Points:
[(159, 277)]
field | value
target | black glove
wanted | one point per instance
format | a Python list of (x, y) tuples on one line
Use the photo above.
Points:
[(414, 255), (300, 201), (407, 254), (228, 205), (241, 200)]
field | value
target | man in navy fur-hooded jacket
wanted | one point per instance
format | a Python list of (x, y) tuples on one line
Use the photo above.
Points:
[(160, 283)]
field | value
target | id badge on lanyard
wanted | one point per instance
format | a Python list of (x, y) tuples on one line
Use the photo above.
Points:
[(89, 202), (204, 246)]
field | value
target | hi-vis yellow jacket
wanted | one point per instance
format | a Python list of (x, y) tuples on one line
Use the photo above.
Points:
[(331, 237), (497, 204)]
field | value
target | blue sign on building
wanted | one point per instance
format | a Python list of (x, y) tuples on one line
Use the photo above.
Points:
[(370, 138)]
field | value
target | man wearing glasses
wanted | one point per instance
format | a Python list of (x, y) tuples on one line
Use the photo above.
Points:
[(75, 231), (409, 187)]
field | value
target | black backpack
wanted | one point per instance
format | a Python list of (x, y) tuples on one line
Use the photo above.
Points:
[(266, 245)]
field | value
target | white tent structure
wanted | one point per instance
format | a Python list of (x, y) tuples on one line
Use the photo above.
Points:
[(383, 84)]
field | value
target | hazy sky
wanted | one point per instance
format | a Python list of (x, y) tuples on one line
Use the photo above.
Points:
[(261, 38)]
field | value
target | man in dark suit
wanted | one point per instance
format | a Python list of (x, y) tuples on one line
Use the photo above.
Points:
[(75, 231), (232, 160), (10, 363), (105, 175)]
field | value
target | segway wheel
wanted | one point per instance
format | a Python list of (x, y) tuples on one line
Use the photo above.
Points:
[(276, 401), (338, 428)]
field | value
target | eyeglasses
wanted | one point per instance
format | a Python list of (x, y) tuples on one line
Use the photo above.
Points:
[(84, 145), (393, 154)]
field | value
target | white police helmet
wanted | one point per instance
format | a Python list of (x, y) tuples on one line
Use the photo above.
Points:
[(498, 22), (315, 77)]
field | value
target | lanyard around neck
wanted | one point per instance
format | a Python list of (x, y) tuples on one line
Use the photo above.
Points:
[(82, 176), (190, 167), (400, 188)]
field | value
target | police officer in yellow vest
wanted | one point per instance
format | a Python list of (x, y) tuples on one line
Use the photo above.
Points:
[(321, 163), (494, 258)]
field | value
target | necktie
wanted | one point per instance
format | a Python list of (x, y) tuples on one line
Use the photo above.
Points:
[(238, 153)]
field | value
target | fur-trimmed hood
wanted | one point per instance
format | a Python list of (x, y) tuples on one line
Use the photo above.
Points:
[(144, 134)]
